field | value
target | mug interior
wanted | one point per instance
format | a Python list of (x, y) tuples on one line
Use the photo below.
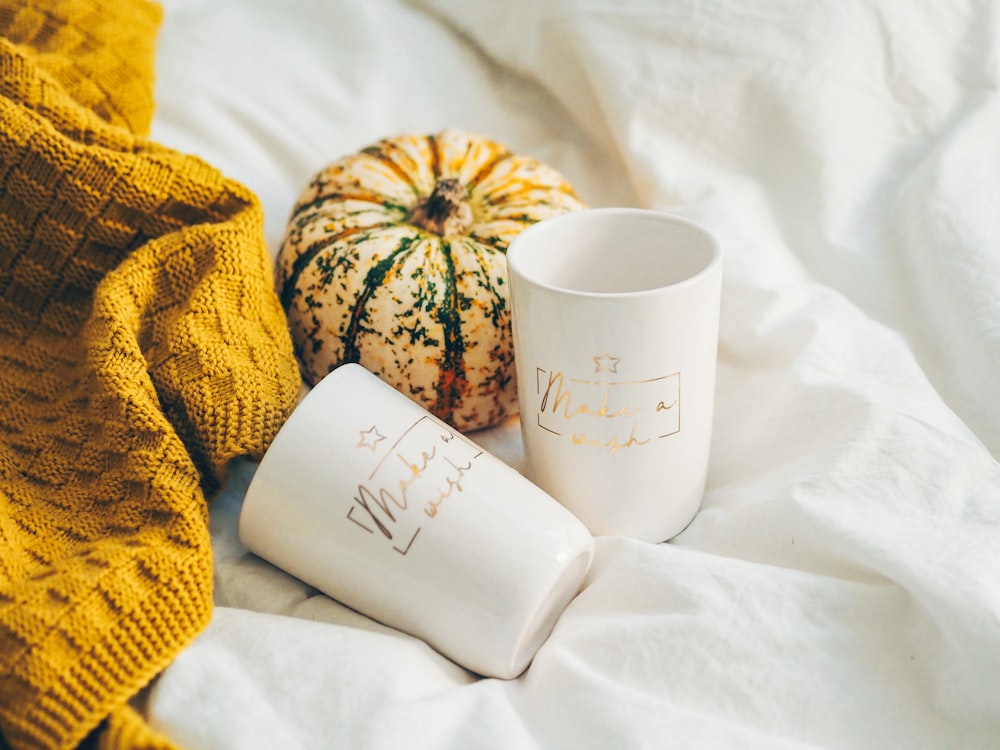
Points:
[(612, 251)]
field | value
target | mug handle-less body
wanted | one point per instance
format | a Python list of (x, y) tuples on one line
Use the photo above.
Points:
[(369, 498), (615, 317)]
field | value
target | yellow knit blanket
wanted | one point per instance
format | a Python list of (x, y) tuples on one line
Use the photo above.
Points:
[(141, 348)]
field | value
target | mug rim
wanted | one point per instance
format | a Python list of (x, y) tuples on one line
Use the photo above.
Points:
[(515, 264)]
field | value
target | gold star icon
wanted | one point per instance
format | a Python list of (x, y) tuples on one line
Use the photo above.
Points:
[(606, 363), (370, 438)]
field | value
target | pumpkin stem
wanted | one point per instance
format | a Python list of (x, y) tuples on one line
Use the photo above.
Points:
[(445, 210)]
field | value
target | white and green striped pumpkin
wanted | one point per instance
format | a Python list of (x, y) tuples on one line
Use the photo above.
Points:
[(394, 258)]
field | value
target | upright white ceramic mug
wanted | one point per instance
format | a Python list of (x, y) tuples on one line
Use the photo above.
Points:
[(616, 318), (369, 498)]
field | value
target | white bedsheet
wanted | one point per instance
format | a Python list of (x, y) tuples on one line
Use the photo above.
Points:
[(841, 586)]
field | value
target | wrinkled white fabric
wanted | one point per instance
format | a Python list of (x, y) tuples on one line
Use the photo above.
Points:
[(841, 586)]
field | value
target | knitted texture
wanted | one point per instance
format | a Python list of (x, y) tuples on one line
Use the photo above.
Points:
[(142, 347)]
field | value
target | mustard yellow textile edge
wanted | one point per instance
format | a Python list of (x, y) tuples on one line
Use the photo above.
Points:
[(141, 348)]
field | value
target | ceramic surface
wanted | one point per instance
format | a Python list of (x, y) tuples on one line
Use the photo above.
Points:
[(369, 498), (616, 318)]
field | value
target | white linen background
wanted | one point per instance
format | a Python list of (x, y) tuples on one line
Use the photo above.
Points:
[(841, 586)]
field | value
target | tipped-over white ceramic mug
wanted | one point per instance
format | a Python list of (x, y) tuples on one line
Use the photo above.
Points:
[(616, 319), (369, 498)]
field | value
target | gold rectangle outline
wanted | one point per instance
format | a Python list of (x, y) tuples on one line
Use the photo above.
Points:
[(539, 370)]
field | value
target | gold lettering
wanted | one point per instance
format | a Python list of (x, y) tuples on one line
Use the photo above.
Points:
[(632, 440), (603, 410), (425, 459), (611, 444), (415, 472), (452, 484), (424, 476), (363, 497), (563, 398), (556, 379)]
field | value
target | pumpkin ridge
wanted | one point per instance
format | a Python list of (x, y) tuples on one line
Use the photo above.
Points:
[(377, 200), (373, 280), (380, 152), (517, 191), (452, 382), (302, 261), (487, 169), (492, 241), (435, 149), (521, 195), (480, 252)]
